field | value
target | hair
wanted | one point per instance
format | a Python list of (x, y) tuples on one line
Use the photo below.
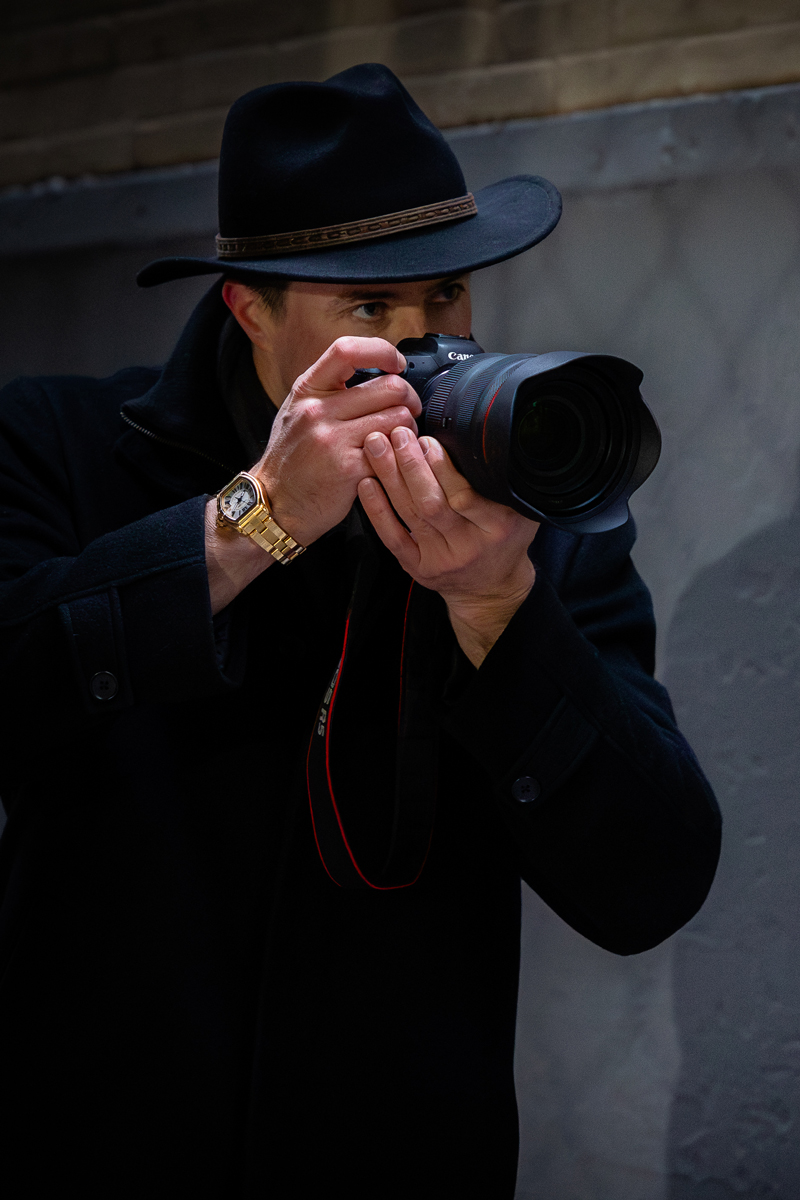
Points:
[(272, 294)]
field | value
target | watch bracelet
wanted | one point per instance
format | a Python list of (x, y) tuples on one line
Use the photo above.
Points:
[(268, 534)]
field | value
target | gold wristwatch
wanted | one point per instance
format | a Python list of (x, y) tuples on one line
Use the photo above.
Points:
[(243, 506)]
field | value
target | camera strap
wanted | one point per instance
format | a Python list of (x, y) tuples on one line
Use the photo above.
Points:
[(415, 775)]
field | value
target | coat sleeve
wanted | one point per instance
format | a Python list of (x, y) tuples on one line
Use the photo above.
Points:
[(88, 628), (614, 823)]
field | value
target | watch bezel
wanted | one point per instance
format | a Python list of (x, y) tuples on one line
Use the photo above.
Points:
[(254, 511)]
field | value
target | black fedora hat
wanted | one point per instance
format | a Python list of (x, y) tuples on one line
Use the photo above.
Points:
[(349, 181)]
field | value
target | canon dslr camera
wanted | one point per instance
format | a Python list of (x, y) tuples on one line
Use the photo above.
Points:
[(562, 437)]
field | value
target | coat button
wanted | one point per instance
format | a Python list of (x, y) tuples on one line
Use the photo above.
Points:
[(104, 686), (525, 789)]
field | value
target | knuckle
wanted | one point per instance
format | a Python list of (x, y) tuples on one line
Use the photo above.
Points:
[(345, 347), (319, 434), (308, 414), (395, 386), (430, 507), (301, 384), (461, 500), (326, 436), (390, 418), (412, 399)]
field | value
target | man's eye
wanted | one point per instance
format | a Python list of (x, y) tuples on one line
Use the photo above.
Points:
[(451, 293), (370, 310)]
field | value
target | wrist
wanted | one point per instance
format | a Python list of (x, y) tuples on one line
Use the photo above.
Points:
[(244, 506), (488, 606), (478, 620), (232, 561), (283, 511)]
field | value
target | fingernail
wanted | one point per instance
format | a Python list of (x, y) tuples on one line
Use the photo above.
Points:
[(375, 445), (424, 445), (399, 437)]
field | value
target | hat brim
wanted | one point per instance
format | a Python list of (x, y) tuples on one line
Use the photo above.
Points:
[(512, 216)]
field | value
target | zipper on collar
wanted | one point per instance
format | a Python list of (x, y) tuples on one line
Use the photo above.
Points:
[(157, 437)]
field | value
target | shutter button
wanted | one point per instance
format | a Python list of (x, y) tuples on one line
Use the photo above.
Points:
[(525, 789), (104, 686)]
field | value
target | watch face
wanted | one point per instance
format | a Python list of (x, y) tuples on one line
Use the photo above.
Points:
[(237, 501)]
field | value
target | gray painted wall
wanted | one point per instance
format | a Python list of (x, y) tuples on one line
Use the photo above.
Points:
[(675, 1074), (672, 1075)]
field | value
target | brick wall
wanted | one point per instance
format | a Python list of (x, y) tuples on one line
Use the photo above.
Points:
[(93, 86)]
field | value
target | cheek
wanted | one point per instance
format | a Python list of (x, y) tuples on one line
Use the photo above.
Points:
[(298, 348)]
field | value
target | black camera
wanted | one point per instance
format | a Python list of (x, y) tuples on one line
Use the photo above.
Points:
[(562, 437)]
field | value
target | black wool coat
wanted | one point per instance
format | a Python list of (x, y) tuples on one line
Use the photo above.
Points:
[(189, 1005)]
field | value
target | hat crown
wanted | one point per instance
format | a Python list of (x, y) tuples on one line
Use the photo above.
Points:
[(305, 155)]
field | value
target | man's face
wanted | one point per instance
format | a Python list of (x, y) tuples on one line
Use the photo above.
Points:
[(315, 314)]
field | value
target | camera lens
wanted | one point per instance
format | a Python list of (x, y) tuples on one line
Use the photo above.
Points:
[(549, 436), (561, 434), (564, 437)]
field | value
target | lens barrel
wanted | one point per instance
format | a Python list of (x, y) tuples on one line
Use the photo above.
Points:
[(563, 437)]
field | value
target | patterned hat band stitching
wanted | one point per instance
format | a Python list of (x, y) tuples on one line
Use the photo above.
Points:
[(350, 231)]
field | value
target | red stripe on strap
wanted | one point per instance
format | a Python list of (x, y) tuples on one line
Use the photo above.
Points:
[(375, 887)]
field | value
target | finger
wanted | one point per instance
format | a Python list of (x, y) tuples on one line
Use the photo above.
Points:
[(381, 458), (488, 515), (452, 483), (411, 485), (347, 354), (461, 496), (386, 525), (386, 391), (428, 497), (359, 429)]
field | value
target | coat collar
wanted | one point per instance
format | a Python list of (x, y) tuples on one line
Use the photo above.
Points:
[(179, 432)]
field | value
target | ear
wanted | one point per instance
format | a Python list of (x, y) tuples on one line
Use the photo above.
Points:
[(246, 306)]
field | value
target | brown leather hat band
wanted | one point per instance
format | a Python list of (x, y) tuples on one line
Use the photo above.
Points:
[(350, 231)]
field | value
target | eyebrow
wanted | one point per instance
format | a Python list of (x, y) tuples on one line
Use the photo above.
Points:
[(367, 292)]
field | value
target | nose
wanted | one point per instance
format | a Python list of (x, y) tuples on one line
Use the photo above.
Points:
[(410, 321)]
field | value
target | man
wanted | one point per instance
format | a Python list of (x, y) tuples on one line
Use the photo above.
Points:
[(267, 823)]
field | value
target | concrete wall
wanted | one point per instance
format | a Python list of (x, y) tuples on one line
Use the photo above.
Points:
[(675, 1074), (112, 85), (672, 1075)]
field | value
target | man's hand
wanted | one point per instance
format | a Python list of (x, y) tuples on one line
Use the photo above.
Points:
[(471, 550), (315, 458)]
